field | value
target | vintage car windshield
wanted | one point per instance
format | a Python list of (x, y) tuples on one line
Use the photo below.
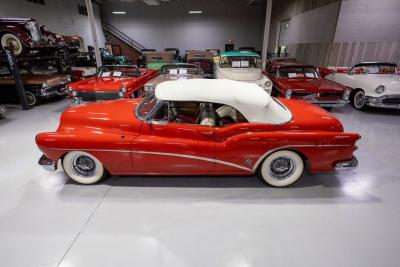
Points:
[(118, 71), (298, 72), (146, 106), (240, 62), (374, 69), (175, 70)]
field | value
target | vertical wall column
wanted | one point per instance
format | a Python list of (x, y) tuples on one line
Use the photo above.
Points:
[(93, 30), (268, 12)]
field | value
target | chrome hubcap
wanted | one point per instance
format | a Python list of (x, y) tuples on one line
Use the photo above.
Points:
[(83, 165), (282, 167), (12, 42), (359, 99)]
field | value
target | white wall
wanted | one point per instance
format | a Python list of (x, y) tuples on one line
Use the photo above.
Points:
[(60, 16), (170, 25), (368, 21)]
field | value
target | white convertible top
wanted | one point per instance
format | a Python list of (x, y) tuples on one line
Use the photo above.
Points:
[(249, 99)]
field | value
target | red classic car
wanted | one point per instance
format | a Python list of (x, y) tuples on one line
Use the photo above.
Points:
[(112, 82), (303, 82), (24, 35), (198, 127)]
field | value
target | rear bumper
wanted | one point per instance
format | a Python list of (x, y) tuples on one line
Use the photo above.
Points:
[(47, 164), (379, 101), (346, 165)]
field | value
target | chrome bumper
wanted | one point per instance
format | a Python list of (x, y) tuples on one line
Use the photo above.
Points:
[(330, 104), (345, 165), (378, 101), (47, 164)]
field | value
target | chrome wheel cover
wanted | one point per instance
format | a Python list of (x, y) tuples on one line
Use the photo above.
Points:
[(282, 167), (359, 99), (13, 43), (83, 165), (30, 98)]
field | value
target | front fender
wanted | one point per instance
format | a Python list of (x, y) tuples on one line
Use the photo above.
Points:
[(22, 35)]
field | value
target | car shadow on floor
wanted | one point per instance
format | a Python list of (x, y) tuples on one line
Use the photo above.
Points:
[(325, 188)]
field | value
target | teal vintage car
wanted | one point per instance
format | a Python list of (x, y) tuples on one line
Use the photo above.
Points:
[(107, 58), (155, 60)]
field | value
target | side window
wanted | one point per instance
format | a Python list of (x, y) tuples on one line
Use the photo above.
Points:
[(184, 112), (161, 115), (227, 115)]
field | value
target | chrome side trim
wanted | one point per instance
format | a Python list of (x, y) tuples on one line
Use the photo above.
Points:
[(195, 157), (91, 149)]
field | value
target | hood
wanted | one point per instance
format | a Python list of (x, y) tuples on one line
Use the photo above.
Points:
[(241, 74), (390, 81), (310, 85), (101, 84), (306, 116), (108, 116)]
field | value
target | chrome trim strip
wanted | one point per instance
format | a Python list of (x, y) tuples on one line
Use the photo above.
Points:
[(195, 157), (346, 165), (92, 149)]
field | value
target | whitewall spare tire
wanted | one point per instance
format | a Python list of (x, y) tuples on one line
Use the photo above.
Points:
[(10, 39), (281, 168), (83, 167)]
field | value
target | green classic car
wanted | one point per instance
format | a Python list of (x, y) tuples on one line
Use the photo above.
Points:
[(155, 60), (108, 58)]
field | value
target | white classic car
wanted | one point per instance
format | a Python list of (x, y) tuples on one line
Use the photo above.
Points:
[(242, 66), (374, 84)]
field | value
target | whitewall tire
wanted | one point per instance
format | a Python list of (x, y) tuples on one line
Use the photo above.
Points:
[(31, 98), (83, 167), (281, 168), (10, 39), (358, 99)]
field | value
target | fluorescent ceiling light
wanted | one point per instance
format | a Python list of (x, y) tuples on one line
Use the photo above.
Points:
[(119, 12), (152, 2), (195, 12)]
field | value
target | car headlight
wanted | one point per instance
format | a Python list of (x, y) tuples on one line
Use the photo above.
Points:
[(122, 91), (288, 93), (346, 95), (70, 89), (268, 84), (380, 89), (74, 93), (44, 85)]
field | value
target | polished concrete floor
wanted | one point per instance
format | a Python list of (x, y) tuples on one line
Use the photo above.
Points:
[(339, 219)]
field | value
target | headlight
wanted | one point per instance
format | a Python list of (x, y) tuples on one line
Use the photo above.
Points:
[(44, 85), (74, 93), (122, 92), (346, 95), (70, 89), (268, 84), (380, 89), (288, 93)]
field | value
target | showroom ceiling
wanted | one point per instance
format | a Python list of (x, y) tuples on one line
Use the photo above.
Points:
[(250, 3)]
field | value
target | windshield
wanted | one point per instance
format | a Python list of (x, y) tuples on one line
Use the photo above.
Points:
[(118, 71), (240, 62), (146, 106), (374, 69), (298, 72), (175, 70)]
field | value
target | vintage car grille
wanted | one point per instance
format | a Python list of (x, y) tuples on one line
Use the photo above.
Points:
[(330, 95), (35, 31), (391, 101), (306, 95), (96, 96)]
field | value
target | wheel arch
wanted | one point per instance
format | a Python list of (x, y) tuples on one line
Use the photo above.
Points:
[(297, 151)]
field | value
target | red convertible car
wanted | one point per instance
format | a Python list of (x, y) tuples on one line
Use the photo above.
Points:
[(198, 127), (303, 82), (111, 82)]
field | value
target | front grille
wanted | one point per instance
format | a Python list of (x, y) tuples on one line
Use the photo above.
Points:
[(305, 95), (391, 101), (96, 96), (330, 95), (56, 88)]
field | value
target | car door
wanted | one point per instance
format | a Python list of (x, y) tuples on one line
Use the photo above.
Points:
[(173, 148)]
